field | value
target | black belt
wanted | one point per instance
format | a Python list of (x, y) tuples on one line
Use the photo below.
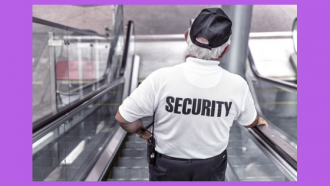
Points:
[(181, 159)]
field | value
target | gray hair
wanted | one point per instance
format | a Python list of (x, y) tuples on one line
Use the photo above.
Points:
[(204, 53)]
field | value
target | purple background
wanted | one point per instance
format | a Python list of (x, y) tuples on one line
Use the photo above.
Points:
[(16, 90)]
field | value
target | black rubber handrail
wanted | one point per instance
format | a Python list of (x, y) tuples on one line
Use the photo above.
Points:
[(56, 25), (76, 90), (294, 25), (292, 162), (271, 80), (127, 43)]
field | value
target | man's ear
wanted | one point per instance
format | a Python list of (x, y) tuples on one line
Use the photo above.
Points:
[(186, 34), (225, 51)]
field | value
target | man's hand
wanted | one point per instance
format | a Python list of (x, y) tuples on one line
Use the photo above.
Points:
[(261, 121), (144, 135), (133, 127), (257, 121)]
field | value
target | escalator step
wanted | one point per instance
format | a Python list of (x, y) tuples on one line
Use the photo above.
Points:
[(144, 179), (135, 138), (134, 153), (119, 173), (136, 145), (132, 162)]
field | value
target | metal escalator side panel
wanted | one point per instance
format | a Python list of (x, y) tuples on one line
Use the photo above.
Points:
[(108, 154), (130, 61)]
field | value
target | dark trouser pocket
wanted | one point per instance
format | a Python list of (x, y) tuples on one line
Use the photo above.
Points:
[(156, 173), (219, 171)]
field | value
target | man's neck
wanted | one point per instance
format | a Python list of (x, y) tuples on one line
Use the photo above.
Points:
[(206, 59)]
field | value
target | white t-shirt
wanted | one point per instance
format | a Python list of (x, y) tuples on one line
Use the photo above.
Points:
[(195, 104)]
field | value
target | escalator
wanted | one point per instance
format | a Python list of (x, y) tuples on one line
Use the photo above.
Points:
[(248, 153), (86, 142)]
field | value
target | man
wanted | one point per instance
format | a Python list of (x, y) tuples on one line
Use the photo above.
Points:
[(195, 104)]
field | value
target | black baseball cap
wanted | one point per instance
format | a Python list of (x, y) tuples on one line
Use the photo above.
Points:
[(212, 24)]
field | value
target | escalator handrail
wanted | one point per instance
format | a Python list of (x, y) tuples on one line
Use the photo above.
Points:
[(130, 29), (285, 84), (60, 26), (278, 144)]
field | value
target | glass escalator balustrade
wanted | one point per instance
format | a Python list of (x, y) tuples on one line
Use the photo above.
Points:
[(69, 64), (43, 82), (65, 153), (83, 69)]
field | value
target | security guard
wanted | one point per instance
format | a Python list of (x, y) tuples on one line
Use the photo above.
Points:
[(195, 104)]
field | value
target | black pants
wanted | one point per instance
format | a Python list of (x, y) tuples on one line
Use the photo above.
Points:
[(211, 169)]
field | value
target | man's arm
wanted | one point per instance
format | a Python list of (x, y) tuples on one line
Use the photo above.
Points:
[(132, 127), (257, 121)]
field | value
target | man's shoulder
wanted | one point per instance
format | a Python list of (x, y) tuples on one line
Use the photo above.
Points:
[(234, 78), (164, 71)]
